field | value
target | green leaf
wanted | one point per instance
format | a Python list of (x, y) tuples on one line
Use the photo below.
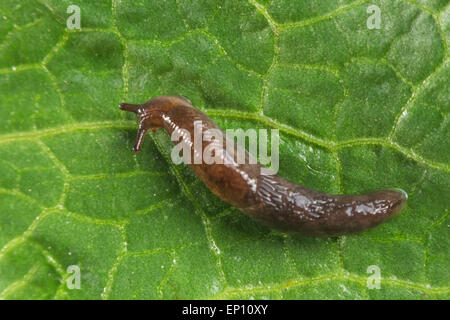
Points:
[(358, 109)]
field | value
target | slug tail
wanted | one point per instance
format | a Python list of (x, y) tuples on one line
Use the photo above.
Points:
[(363, 212)]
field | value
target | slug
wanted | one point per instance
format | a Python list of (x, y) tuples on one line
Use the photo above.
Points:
[(269, 199)]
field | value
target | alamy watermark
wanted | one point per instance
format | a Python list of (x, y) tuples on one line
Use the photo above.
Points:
[(374, 280), (74, 20), (212, 146), (74, 280), (374, 20)]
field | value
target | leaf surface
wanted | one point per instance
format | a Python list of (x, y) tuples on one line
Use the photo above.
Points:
[(358, 109)]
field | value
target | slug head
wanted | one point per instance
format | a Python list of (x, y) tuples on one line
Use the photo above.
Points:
[(150, 114)]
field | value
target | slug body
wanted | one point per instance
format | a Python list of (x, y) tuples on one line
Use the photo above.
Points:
[(270, 199)]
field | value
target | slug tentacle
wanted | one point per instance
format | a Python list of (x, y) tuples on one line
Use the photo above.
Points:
[(139, 139), (129, 107), (270, 199)]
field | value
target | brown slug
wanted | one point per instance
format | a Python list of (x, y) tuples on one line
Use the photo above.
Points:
[(270, 199)]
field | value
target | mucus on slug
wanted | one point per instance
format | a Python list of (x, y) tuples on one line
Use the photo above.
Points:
[(269, 199)]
